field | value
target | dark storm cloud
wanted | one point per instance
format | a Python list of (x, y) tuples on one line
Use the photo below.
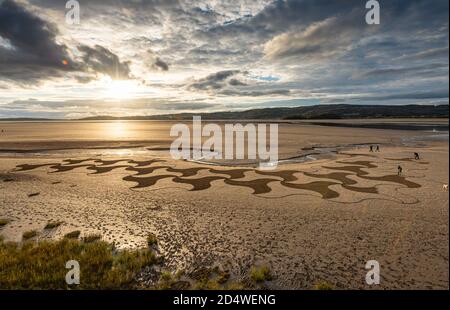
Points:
[(102, 60), (256, 93), (161, 64), (33, 53), (213, 81), (229, 83), (154, 62), (236, 82), (30, 35)]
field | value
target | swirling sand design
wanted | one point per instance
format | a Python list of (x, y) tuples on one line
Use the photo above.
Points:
[(345, 175)]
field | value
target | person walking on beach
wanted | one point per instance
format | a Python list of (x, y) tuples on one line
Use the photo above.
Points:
[(400, 170), (378, 148), (371, 148), (416, 156)]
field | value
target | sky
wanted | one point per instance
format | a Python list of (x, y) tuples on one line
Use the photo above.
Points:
[(146, 57)]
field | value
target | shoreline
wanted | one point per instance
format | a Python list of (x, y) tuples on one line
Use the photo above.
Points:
[(144, 148)]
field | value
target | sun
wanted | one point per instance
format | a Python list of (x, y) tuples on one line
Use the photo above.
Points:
[(121, 89)]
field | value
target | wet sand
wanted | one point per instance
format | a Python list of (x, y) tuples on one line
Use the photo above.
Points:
[(309, 222)]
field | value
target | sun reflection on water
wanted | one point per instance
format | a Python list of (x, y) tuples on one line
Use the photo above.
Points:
[(117, 129)]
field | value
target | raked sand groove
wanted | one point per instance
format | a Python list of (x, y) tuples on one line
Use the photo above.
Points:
[(148, 175)]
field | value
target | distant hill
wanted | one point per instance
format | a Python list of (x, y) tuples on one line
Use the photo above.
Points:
[(24, 119), (341, 111), (316, 112)]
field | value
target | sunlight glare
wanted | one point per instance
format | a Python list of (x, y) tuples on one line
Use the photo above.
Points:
[(117, 129), (121, 89)]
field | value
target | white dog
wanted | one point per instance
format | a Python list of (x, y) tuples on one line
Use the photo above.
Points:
[(445, 187)]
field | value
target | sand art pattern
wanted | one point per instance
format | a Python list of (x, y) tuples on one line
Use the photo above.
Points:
[(144, 174)]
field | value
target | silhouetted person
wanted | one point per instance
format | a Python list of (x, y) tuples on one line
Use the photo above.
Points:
[(371, 148), (400, 170), (378, 148), (416, 156)]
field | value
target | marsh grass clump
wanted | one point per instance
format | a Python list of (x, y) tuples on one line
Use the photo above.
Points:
[(215, 279), (73, 235), (29, 234), (52, 225), (151, 240), (223, 276), (323, 286), (4, 222), (41, 265), (169, 281), (260, 274), (91, 238), (166, 281)]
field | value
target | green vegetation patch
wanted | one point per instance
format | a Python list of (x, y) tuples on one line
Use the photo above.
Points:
[(91, 238), (29, 234), (52, 225), (73, 235), (4, 222), (42, 265), (323, 286), (260, 274), (151, 240)]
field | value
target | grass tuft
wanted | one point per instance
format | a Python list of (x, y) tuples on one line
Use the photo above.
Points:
[(260, 274), (29, 234), (151, 240), (73, 235), (4, 222), (52, 225), (323, 286), (166, 281), (91, 238)]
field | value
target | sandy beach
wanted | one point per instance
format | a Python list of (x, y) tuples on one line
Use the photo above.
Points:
[(312, 221)]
